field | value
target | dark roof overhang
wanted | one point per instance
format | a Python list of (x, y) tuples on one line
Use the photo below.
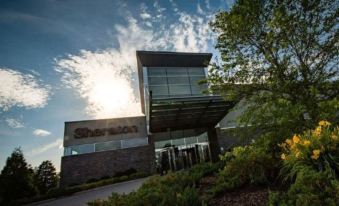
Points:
[(171, 114), (173, 59)]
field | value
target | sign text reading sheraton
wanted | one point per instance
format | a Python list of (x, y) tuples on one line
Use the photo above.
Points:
[(86, 132)]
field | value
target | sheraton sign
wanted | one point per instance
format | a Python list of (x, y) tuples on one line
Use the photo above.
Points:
[(85, 132)]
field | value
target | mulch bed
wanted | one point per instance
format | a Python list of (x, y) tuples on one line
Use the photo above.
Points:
[(246, 196)]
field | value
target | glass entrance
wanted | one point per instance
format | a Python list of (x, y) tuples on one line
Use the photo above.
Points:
[(181, 157)]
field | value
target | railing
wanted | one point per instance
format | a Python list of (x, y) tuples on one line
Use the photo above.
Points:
[(105, 146)]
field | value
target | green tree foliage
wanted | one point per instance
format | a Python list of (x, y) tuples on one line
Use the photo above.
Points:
[(46, 177), (16, 179), (282, 57)]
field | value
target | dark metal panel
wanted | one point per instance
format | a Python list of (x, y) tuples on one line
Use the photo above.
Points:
[(173, 59), (187, 113)]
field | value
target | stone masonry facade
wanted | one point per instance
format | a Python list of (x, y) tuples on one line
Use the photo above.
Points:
[(78, 169)]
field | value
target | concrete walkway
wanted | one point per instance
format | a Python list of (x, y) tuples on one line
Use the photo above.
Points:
[(81, 198)]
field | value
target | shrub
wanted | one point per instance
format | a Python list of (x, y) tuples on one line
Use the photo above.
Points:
[(172, 189), (244, 165), (310, 163), (317, 149), (311, 187)]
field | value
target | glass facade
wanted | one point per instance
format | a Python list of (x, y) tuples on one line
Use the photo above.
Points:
[(105, 146), (175, 81), (182, 142)]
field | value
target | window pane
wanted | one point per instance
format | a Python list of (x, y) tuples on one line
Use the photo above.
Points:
[(191, 140), (160, 96), (177, 71), (82, 149), (178, 142), (196, 71), (196, 79), (179, 90), (203, 138), (134, 142), (103, 146), (162, 144), (156, 71), (157, 80), (198, 89), (158, 90), (178, 80)]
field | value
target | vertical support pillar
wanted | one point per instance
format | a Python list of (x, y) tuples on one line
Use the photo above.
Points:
[(152, 154), (214, 144)]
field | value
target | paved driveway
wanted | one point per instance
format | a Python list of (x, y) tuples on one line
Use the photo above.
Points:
[(81, 198)]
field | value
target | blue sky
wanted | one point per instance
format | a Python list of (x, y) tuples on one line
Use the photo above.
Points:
[(65, 60)]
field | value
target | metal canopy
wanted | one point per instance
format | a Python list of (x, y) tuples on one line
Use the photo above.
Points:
[(173, 59), (196, 112)]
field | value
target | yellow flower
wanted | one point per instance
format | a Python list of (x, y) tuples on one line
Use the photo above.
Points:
[(324, 123), (288, 141), (296, 139), (283, 156), (334, 137), (297, 155), (306, 142), (316, 154), (317, 131), (282, 145)]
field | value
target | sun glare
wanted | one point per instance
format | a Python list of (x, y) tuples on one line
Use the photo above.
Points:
[(113, 98)]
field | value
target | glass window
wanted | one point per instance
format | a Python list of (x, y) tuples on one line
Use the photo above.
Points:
[(178, 80), (191, 140), (154, 71), (196, 79), (102, 146), (179, 90), (196, 71), (178, 71), (158, 90), (67, 151), (134, 142), (178, 142), (202, 139), (162, 144), (82, 149), (198, 89), (157, 80)]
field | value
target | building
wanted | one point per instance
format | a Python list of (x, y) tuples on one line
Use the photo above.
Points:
[(177, 131)]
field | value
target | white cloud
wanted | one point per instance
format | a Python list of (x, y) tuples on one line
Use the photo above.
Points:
[(207, 2), (57, 143), (107, 79), (21, 90), (145, 15), (14, 123), (41, 132), (199, 9), (149, 24)]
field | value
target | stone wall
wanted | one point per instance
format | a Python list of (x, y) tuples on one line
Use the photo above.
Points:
[(78, 169)]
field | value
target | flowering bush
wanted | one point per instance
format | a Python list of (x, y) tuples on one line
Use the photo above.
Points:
[(247, 165), (317, 148)]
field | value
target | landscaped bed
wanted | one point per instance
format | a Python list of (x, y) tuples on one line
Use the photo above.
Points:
[(297, 174)]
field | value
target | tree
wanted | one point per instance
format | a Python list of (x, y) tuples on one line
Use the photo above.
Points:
[(282, 58), (16, 178), (46, 177)]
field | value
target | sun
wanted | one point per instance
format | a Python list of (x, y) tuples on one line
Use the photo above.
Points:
[(113, 98)]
